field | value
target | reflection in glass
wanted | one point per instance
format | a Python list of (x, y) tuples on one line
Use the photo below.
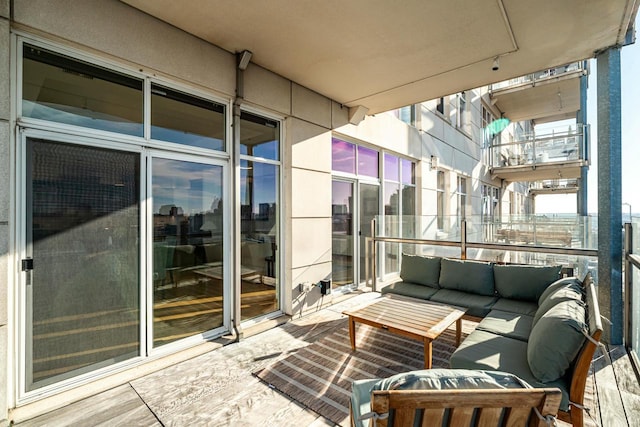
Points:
[(83, 213), (259, 213), (187, 249), (391, 170), (392, 225), (185, 119), (367, 162), (343, 155), (407, 170), (342, 272), (259, 136), (61, 89)]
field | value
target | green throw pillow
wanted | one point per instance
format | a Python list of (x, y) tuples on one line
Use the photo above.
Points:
[(421, 270), (468, 276), (555, 340), (524, 282)]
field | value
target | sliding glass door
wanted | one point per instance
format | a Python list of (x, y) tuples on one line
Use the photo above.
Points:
[(188, 247), (82, 259)]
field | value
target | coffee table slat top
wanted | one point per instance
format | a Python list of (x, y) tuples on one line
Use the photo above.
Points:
[(420, 317)]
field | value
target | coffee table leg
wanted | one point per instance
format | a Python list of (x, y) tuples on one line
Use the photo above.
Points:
[(428, 353), (352, 333), (458, 331)]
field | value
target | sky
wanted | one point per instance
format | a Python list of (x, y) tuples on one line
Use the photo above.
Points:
[(630, 79)]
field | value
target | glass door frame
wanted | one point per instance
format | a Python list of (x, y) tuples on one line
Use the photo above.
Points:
[(227, 288), (23, 250)]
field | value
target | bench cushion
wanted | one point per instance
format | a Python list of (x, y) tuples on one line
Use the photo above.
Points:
[(516, 306), (507, 324), (560, 283), (524, 282), (429, 379), (487, 351), (409, 290), (477, 305), (421, 270), (568, 292), (556, 339), (469, 276)]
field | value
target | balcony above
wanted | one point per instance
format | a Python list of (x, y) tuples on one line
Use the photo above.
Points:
[(554, 186), (546, 96), (538, 157)]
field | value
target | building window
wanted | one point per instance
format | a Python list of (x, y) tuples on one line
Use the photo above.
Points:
[(64, 90), (440, 190), (462, 198), (407, 114), (343, 156)]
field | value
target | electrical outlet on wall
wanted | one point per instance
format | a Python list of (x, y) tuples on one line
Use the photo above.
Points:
[(305, 286)]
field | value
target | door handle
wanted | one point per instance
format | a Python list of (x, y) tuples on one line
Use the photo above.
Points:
[(27, 267)]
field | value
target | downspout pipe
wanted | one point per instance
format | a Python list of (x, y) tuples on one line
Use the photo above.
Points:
[(242, 61)]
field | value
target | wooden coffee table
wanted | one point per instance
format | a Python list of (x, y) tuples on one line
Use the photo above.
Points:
[(411, 317)]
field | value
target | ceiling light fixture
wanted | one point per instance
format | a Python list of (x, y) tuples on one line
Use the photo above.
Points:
[(496, 63)]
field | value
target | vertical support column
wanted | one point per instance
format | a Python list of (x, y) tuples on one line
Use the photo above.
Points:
[(7, 202), (610, 193), (585, 148)]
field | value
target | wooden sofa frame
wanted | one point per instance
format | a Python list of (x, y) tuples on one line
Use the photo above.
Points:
[(491, 407)]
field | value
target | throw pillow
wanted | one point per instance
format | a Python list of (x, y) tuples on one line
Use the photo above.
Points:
[(560, 283), (568, 292)]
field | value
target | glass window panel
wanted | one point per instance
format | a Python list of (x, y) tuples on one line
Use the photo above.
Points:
[(392, 225), (343, 155), (407, 168), (61, 89), (391, 171), (259, 222), (83, 225), (259, 136), (342, 234), (367, 162), (187, 249), (185, 119)]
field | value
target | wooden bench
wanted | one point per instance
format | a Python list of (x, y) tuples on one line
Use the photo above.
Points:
[(512, 407)]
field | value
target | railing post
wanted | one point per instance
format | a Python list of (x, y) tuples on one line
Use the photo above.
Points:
[(463, 239), (374, 255), (628, 282)]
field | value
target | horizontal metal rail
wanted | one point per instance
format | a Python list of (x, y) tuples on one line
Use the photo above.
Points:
[(634, 259)]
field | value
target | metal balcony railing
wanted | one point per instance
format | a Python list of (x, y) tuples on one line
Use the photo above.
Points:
[(562, 184), (568, 240), (542, 147), (538, 76)]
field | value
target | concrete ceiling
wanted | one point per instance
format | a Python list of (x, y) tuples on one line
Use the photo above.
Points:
[(386, 54)]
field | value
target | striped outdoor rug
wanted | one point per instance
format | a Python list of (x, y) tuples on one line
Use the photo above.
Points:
[(319, 376)]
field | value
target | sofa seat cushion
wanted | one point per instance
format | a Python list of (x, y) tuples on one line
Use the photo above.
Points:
[(428, 379), (515, 306), (421, 270), (409, 290), (524, 282), (487, 351), (556, 339), (477, 305), (468, 276), (507, 324)]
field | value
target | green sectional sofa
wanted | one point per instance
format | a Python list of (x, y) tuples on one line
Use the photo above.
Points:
[(533, 323)]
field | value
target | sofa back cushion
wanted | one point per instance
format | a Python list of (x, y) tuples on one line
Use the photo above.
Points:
[(558, 284), (567, 292), (524, 282), (556, 340), (421, 270), (467, 276)]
